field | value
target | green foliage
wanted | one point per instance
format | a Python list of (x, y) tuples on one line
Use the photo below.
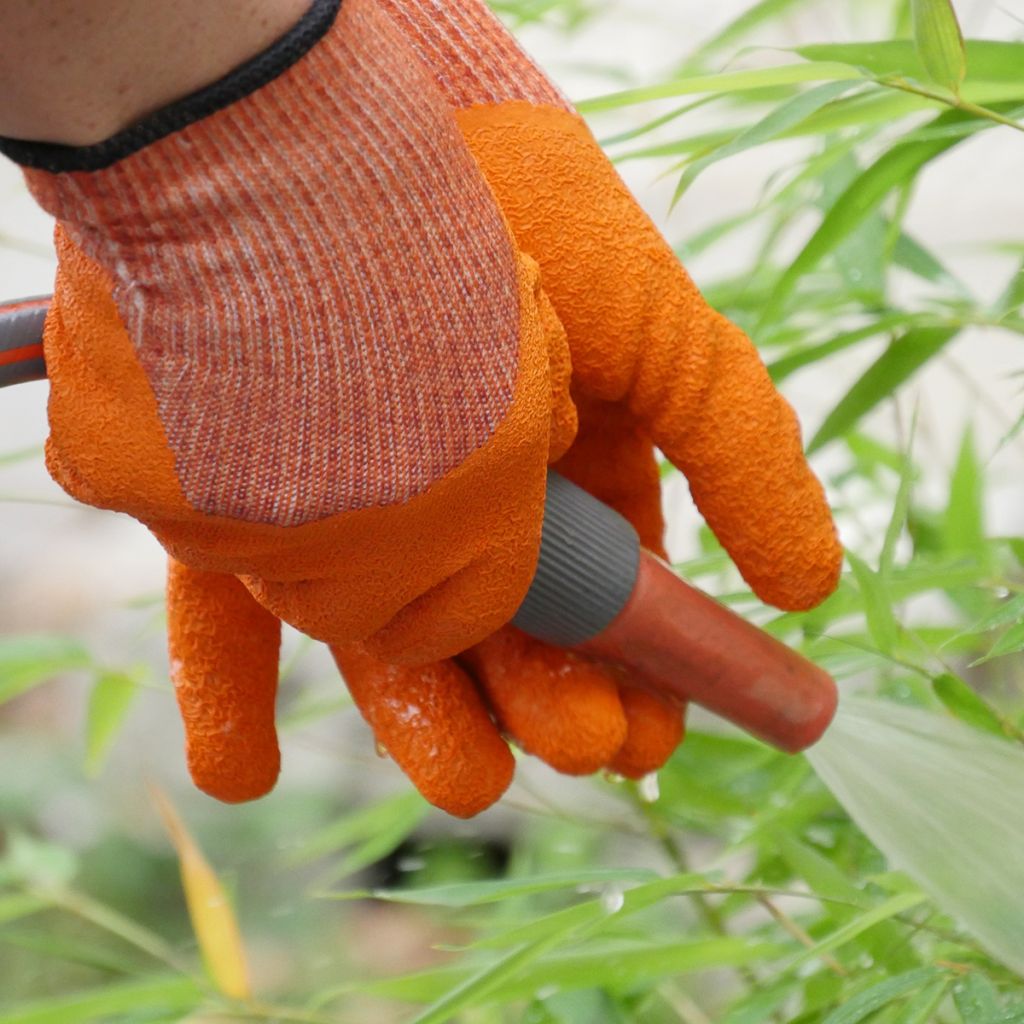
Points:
[(743, 894)]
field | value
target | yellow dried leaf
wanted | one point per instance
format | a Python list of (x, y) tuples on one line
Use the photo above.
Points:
[(213, 919)]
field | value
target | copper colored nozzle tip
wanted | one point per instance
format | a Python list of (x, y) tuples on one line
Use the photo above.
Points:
[(682, 642)]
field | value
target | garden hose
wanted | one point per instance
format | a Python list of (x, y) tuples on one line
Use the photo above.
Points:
[(597, 591)]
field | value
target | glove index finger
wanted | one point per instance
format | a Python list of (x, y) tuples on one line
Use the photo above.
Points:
[(738, 442), (224, 650)]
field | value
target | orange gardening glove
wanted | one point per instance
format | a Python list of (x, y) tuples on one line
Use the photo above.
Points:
[(322, 327)]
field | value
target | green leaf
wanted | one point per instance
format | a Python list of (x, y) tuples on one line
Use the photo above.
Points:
[(823, 876), (28, 661), (1011, 611), (882, 624), (365, 836), (474, 894), (897, 364), (874, 998), (977, 1001), (963, 526), (900, 511), (765, 12), (940, 43), (726, 82), (959, 699), (780, 120), (135, 997), (616, 967), (897, 904), (478, 987), (1010, 642), (111, 697), (988, 60), (920, 1009), (19, 905), (899, 166)]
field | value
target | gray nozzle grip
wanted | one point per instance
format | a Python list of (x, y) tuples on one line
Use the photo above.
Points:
[(587, 569), (21, 327)]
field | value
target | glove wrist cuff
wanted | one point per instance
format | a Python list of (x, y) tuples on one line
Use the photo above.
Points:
[(237, 84)]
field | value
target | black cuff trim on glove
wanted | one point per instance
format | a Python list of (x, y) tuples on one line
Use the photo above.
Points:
[(246, 79)]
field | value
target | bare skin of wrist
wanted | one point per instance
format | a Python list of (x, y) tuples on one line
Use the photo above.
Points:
[(78, 71)]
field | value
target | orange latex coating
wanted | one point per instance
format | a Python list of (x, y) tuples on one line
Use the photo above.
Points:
[(416, 581), (224, 653), (685, 644), (656, 728), (560, 707), (431, 720), (641, 334)]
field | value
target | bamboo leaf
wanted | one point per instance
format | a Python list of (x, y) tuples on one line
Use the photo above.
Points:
[(977, 1001), (158, 995), (963, 526), (213, 920), (28, 661), (960, 700), (780, 120), (473, 894), (726, 82), (898, 904), (940, 43), (898, 167), (111, 697), (900, 361), (920, 1008), (882, 624), (885, 992)]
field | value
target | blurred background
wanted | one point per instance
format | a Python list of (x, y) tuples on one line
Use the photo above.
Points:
[(81, 605)]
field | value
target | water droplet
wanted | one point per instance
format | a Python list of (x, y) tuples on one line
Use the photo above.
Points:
[(612, 899), (648, 789)]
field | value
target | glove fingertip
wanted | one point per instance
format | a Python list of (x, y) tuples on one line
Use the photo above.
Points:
[(431, 721), (656, 728)]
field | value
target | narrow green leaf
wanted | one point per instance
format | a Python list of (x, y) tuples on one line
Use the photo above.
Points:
[(402, 809), (959, 699), (823, 876), (897, 364), (19, 905), (1010, 642), (963, 526), (111, 697), (1011, 611), (885, 992), (475, 989), (780, 120), (977, 1001), (897, 904), (474, 894), (940, 43), (882, 624), (789, 364), (28, 661), (618, 966), (989, 60), (899, 166), (900, 511), (920, 1009), (729, 81), (765, 12), (135, 997)]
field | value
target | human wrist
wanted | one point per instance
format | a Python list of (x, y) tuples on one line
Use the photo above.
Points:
[(90, 70)]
